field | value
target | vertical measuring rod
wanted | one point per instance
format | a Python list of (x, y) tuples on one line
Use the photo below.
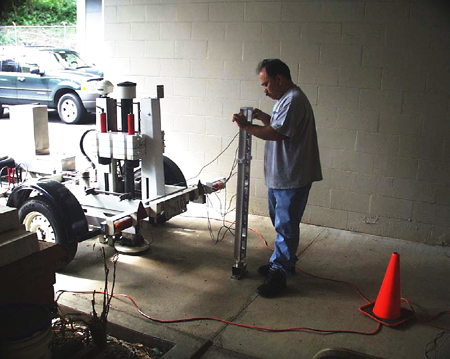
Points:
[(242, 197)]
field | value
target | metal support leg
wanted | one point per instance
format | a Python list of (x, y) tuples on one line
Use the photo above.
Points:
[(132, 241), (242, 198)]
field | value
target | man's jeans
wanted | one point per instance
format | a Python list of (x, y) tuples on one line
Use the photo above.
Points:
[(286, 207)]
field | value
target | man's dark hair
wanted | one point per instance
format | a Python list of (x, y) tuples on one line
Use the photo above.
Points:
[(274, 67)]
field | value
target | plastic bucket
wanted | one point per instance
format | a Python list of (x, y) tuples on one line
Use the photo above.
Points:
[(25, 332)]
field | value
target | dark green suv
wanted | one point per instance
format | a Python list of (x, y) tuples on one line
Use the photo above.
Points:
[(58, 78)]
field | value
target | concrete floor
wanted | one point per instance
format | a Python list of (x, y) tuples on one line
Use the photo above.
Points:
[(186, 274)]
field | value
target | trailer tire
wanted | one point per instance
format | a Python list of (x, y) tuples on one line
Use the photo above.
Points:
[(39, 216)]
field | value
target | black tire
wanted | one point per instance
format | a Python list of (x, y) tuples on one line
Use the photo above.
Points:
[(172, 176), (39, 216), (70, 109), (2, 110), (172, 173)]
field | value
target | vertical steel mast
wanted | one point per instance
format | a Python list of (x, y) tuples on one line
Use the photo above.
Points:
[(242, 198)]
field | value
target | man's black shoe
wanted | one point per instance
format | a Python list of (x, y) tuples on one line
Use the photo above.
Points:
[(273, 285), (264, 270)]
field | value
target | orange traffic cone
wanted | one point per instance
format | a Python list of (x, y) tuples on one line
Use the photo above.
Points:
[(387, 309), (387, 305)]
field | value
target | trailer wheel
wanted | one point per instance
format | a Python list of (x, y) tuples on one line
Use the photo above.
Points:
[(39, 216)]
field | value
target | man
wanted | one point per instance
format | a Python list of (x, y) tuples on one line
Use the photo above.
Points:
[(291, 164)]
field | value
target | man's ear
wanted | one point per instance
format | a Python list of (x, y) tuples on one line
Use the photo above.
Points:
[(279, 79)]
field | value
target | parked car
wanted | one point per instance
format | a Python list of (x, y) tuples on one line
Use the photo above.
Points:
[(58, 78)]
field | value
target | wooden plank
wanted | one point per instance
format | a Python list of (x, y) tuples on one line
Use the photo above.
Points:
[(16, 244), (49, 252), (9, 218), (31, 279)]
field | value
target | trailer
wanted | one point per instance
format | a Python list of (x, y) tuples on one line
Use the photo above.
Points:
[(131, 180)]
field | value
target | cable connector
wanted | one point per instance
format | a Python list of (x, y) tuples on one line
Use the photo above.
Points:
[(215, 185)]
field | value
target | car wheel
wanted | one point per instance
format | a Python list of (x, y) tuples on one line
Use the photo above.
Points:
[(2, 110), (71, 109), (39, 216)]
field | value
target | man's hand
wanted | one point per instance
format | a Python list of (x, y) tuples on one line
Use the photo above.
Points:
[(240, 120), (262, 116)]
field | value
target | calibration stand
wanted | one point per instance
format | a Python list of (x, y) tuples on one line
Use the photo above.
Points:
[(242, 198)]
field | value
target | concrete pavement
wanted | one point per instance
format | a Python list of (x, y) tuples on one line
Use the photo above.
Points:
[(186, 274)]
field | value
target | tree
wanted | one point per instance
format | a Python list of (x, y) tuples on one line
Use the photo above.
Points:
[(38, 12)]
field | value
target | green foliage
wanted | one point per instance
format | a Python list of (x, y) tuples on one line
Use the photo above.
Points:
[(7, 39), (38, 12)]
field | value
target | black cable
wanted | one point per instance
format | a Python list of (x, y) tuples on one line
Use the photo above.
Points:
[(82, 147), (434, 343), (211, 233), (1, 171), (233, 166), (220, 154), (26, 171), (223, 211), (228, 229), (224, 229), (441, 345)]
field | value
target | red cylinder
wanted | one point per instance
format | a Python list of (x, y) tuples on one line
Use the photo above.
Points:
[(103, 122), (130, 124)]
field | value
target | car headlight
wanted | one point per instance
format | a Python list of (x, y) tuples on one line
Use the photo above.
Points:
[(105, 87), (90, 86)]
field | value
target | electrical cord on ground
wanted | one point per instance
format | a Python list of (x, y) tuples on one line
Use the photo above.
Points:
[(418, 318), (185, 320), (435, 345), (266, 329)]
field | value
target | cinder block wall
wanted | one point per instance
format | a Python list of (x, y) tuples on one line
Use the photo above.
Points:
[(376, 72)]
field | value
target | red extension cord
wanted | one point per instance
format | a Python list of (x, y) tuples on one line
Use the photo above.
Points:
[(265, 329)]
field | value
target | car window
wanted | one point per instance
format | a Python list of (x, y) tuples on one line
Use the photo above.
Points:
[(26, 64), (9, 65), (70, 59), (47, 61)]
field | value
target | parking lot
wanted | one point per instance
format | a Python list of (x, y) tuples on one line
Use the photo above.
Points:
[(64, 139)]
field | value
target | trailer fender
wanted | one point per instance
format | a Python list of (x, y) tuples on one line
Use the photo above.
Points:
[(69, 210)]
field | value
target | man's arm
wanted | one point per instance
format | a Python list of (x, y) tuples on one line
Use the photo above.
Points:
[(265, 132)]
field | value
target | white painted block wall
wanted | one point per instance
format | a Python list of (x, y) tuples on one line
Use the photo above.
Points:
[(376, 72)]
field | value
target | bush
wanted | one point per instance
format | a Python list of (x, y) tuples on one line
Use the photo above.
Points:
[(38, 12)]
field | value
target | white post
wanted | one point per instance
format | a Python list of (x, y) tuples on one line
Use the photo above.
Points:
[(152, 176)]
